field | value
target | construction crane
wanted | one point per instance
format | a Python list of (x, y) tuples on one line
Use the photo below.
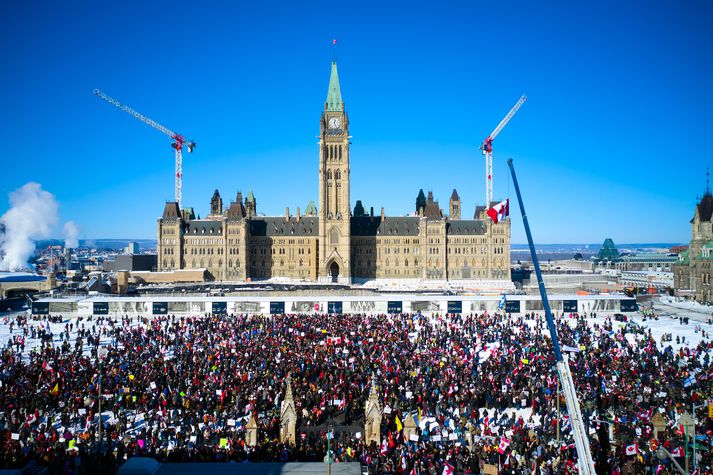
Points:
[(487, 149), (579, 431), (178, 140)]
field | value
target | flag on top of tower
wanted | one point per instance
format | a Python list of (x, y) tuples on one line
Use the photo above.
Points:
[(500, 211)]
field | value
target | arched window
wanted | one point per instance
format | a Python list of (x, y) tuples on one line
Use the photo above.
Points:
[(334, 236), (340, 152), (329, 174)]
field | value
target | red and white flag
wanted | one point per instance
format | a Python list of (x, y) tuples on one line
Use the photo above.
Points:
[(677, 452), (504, 444), (632, 449), (500, 211), (448, 469), (384, 447)]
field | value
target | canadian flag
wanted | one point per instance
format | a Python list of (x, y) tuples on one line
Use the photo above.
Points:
[(632, 449), (500, 211), (448, 469), (677, 452), (384, 447), (504, 444)]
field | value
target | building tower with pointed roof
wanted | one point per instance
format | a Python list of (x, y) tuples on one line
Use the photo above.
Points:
[(454, 205), (420, 203), (334, 205), (692, 272), (216, 204), (250, 205)]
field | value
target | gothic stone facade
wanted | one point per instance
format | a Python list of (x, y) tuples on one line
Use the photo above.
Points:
[(330, 243), (692, 272)]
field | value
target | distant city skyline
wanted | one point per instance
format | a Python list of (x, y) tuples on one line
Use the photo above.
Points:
[(613, 141)]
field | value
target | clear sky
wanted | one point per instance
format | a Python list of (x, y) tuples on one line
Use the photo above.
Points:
[(613, 141)]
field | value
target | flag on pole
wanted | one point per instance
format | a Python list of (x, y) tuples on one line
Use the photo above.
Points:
[(55, 390), (501, 305), (384, 447), (448, 469), (690, 381), (500, 211), (677, 452), (632, 449), (504, 444), (399, 425), (334, 41)]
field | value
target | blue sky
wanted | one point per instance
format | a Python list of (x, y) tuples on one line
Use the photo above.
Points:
[(613, 141)]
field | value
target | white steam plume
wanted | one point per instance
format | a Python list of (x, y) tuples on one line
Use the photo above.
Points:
[(71, 235), (32, 216)]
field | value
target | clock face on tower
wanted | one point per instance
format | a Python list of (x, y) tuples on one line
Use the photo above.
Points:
[(334, 122)]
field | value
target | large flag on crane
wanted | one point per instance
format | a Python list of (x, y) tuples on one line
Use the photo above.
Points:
[(500, 211)]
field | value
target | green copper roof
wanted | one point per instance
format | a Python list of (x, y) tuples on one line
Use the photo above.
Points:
[(334, 93), (250, 197), (311, 209)]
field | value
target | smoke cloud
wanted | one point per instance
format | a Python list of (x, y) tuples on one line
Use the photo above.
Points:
[(71, 235), (32, 215)]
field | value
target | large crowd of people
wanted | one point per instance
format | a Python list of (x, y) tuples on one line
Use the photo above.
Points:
[(85, 395)]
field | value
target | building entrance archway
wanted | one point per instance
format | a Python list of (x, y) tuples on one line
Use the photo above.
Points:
[(334, 271)]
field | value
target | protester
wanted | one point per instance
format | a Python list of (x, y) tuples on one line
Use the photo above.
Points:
[(481, 388)]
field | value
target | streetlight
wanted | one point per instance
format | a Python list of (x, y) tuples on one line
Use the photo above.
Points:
[(688, 428), (695, 422), (101, 354), (330, 434)]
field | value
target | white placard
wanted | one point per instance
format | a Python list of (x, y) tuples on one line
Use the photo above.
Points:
[(218, 392), (231, 422), (15, 436), (436, 438), (82, 412), (193, 439), (387, 410), (413, 437), (452, 436), (152, 385)]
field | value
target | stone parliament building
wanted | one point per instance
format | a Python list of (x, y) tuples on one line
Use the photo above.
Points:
[(332, 243), (692, 272)]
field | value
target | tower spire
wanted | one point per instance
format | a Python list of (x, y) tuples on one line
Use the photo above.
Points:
[(334, 101), (708, 181)]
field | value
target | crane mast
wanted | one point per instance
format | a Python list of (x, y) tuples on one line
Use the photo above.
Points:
[(487, 148), (579, 431), (178, 140)]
